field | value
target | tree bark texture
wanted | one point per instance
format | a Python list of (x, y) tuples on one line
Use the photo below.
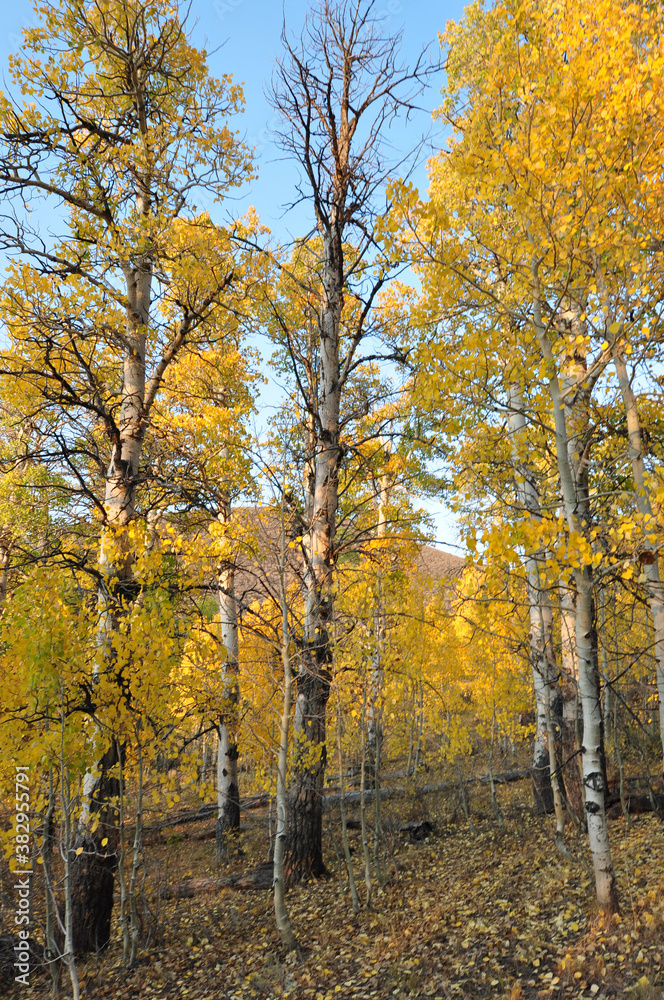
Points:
[(304, 852), (304, 844), (572, 722), (570, 461), (93, 870)]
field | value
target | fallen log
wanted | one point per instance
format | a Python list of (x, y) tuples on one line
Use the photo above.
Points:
[(637, 804), (507, 777), (186, 817), (332, 799), (207, 812), (257, 879), (417, 829), (253, 802)]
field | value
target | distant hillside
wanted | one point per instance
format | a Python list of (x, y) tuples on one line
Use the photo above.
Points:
[(438, 564), (257, 560)]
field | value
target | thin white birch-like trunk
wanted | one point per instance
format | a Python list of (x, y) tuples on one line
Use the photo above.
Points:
[(377, 677), (539, 609), (650, 559), (497, 811), (577, 390), (282, 919), (228, 794), (137, 853), (568, 632), (572, 722), (593, 771), (68, 957), (559, 804), (52, 952), (619, 759), (5, 558), (342, 809), (420, 727)]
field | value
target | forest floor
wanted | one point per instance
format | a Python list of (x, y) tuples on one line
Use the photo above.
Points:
[(494, 913)]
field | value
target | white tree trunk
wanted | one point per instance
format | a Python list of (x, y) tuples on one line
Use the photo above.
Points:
[(377, 678), (593, 771), (228, 794), (279, 883), (572, 722), (568, 632), (5, 556), (542, 656)]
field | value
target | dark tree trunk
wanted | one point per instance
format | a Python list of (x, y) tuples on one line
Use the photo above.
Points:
[(304, 839), (542, 791), (93, 870), (571, 762)]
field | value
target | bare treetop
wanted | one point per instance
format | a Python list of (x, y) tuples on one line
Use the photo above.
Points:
[(337, 89)]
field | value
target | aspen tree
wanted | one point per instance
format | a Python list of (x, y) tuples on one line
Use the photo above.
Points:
[(594, 768), (120, 126), (531, 188), (336, 91), (228, 795)]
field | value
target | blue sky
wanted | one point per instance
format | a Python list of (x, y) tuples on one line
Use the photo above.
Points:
[(243, 37), (248, 32)]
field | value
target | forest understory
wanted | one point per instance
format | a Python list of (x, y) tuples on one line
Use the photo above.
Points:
[(496, 912)]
